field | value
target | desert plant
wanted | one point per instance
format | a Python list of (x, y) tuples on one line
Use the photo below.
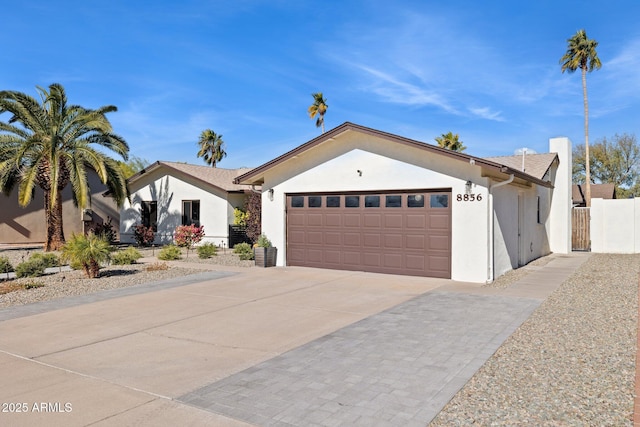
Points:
[(106, 230), (207, 250), (49, 259), (157, 266), (170, 252), (186, 236), (244, 251), (32, 284), (125, 257), (31, 268), (89, 251), (143, 235), (263, 242), (5, 265)]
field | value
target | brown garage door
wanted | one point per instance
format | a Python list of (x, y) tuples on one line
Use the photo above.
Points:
[(388, 232)]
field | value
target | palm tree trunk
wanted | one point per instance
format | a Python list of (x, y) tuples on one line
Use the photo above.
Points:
[(53, 217), (586, 138)]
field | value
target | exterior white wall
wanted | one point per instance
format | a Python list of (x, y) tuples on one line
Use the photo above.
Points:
[(615, 226), (216, 213), (384, 166), (560, 218), (519, 235)]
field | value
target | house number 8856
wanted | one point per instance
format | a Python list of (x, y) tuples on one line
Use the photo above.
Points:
[(469, 197)]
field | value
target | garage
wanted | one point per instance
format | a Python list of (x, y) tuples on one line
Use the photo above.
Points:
[(393, 232)]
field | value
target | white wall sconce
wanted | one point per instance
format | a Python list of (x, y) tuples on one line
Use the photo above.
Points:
[(270, 194), (467, 187)]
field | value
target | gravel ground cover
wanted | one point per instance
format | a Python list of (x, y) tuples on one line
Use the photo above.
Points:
[(71, 283), (572, 363)]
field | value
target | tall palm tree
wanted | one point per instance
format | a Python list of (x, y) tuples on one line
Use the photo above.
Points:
[(50, 144), (581, 54), (211, 147), (450, 141), (318, 108)]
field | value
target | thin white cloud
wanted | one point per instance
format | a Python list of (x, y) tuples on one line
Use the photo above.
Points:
[(401, 92), (487, 113)]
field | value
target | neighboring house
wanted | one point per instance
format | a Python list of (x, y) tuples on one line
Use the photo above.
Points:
[(165, 195), (357, 198), (27, 225), (598, 191)]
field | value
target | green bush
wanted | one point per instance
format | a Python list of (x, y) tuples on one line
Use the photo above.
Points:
[(89, 251), (34, 284), (126, 256), (207, 250), (170, 252), (5, 265), (244, 251), (49, 259), (263, 242), (32, 268)]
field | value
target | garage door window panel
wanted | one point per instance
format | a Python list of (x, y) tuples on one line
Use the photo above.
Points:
[(371, 201), (333, 201), (352, 201), (314, 201), (415, 201), (393, 201), (297, 202), (439, 201)]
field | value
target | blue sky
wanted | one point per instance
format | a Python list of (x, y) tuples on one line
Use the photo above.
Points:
[(487, 70)]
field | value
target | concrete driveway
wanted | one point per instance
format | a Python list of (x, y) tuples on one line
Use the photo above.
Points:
[(125, 359), (278, 346)]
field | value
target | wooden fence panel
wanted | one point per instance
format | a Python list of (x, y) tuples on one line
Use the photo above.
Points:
[(580, 232)]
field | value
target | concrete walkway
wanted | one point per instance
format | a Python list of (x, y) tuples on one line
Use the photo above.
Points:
[(281, 346)]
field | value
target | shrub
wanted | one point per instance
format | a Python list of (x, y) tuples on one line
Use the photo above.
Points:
[(5, 265), (89, 251), (186, 236), (244, 251), (32, 268), (170, 252), (49, 259), (33, 284), (106, 230), (253, 206), (143, 236), (125, 257), (263, 242), (158, 266), (207, 250), (240, 217)]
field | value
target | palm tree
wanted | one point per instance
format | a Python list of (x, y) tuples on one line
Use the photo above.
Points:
[(318, 108), (49, 144), (581, 54), (450, 141), (211, 147)]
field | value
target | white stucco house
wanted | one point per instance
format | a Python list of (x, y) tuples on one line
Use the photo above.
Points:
[(356, 198), (165, 195)]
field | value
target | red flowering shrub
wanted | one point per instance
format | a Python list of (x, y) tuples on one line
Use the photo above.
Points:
[(188, 235)]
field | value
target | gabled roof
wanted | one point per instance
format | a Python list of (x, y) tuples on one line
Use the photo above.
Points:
[(500, 171), (222, 179), (534, 164), (598, 191)]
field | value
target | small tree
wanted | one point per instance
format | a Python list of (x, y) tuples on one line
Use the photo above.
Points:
[(253, 206), (88, 251), (188, 235), (143, 235)]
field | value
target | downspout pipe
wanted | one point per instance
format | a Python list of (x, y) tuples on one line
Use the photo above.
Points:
[(490, 267)]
